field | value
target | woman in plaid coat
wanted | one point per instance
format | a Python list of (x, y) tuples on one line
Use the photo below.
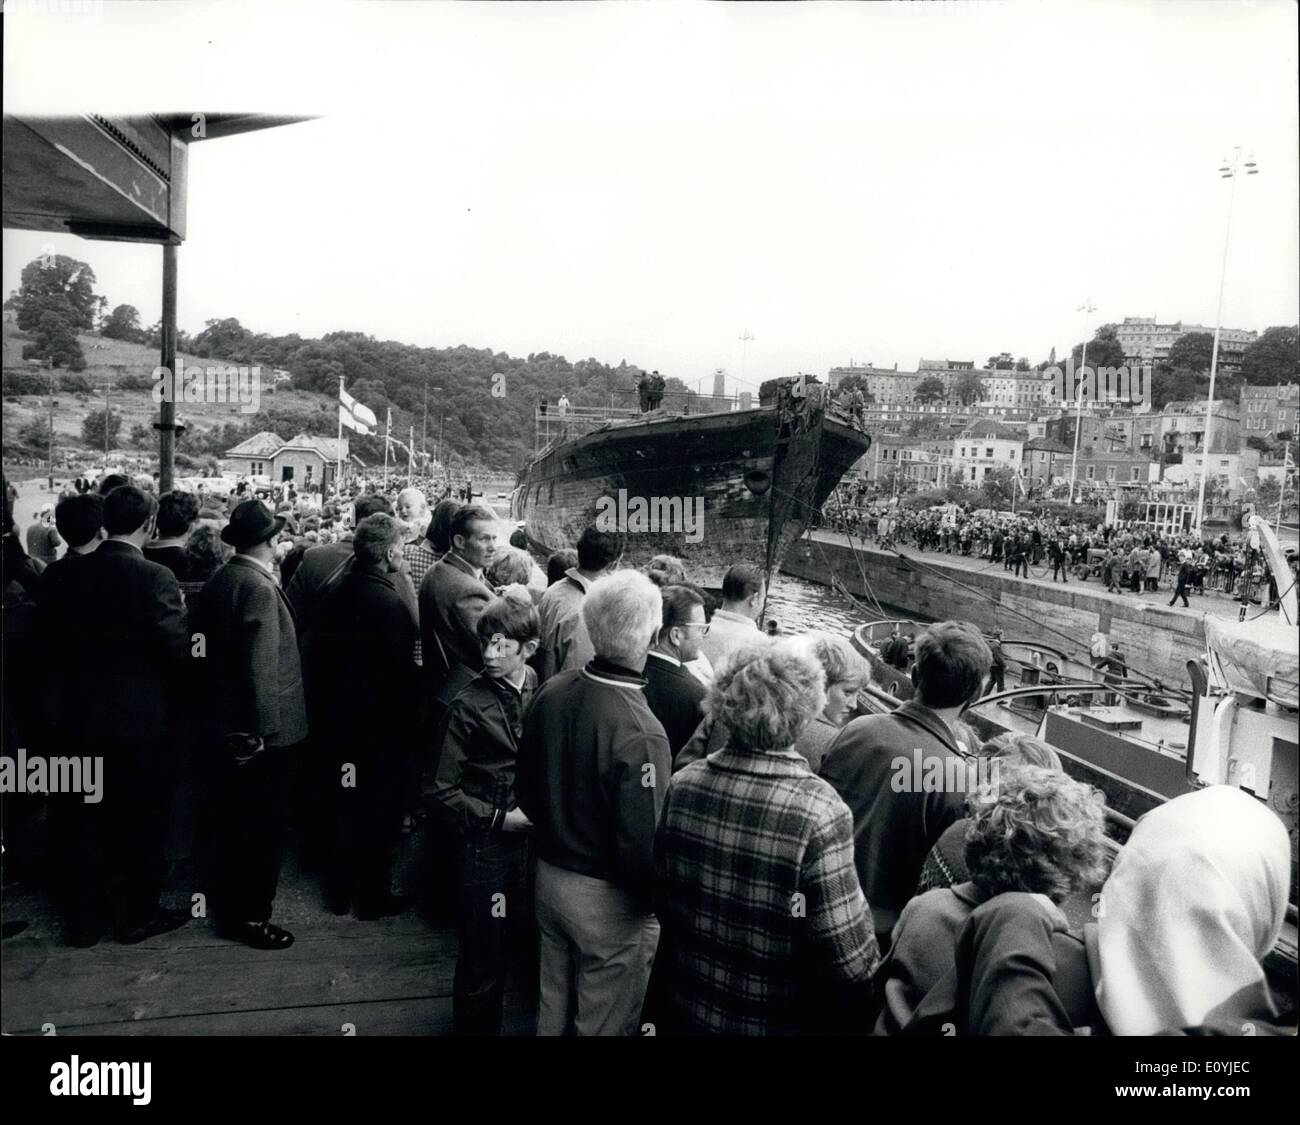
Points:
[(765, 930)]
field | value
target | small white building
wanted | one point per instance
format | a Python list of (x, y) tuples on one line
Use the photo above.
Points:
[(984, 447), (1235, 472)]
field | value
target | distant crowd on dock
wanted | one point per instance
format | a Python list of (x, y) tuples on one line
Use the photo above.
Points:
[(682, 825), (1130, 557)]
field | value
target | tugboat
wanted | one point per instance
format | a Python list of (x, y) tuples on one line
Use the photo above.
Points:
[(708, 479)]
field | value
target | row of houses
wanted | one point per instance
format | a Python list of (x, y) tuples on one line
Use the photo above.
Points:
[(984, 447)]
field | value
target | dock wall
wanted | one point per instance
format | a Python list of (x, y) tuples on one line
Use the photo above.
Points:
[(1156, 639)]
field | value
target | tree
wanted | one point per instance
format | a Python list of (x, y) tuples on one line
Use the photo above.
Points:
[(1254, 441), (1273, 358), (1104, 349), (61, 285), (1192, 351), (998, 488), (224, 339), (36, 435), (968, 388), (123, 323), (1022, 364), (1168, 386), (142, 437), (930, 389), (92, 428), (1267, 493), (55, 342)]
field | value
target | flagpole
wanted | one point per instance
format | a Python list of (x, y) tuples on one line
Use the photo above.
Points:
[(1281, 492), (338, 482), (410, 461), (388, 436)]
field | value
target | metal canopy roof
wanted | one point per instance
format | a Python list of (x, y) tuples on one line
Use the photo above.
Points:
[(121, 178)]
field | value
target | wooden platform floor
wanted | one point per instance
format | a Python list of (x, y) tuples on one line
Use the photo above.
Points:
[(388, 977)]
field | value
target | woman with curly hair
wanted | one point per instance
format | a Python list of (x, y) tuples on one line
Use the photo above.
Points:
[(1032, 831), (945, 866), (765, 931), (205, 553)]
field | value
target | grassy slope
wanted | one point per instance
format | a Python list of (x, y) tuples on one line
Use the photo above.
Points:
[(105, 365)]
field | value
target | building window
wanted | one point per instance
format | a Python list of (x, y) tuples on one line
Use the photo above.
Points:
[(1137, 473), (1092, 472), (1110, 472)]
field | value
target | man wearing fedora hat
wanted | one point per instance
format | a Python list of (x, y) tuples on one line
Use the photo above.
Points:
[(253, 680)]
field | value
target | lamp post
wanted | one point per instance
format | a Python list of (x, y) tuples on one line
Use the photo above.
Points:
[(1228, 171), (1087, 308)]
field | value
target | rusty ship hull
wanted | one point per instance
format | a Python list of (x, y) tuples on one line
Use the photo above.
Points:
[(757, 476)]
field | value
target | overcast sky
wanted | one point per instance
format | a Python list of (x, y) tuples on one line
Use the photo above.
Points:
[(873, 182)]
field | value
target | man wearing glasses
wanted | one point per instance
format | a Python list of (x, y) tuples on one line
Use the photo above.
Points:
[(673, 693)]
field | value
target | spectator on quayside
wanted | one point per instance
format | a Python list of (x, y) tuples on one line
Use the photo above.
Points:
[(366, 642), (558, 565), (668, 570), (593, 768), (178, 512), (319, 573), (945, 866), (1032, 830), (474, 796), (43, 539), (80, 520), (452, 595), (736, 621), (513, 567), (599, 553), (674, 695), (112, 629), (252, 689), (1194, 903), (895, 828), (112, 481), (846, 674), (736, 958), (439, 530)]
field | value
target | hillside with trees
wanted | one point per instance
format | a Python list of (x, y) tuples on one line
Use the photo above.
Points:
[(480, 401)]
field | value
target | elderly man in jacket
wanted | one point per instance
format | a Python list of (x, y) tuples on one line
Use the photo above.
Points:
[(253, 681), (885, 768), (593, 768)]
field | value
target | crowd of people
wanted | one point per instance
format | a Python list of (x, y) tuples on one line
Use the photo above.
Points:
[(1129, 557), (677, 820)]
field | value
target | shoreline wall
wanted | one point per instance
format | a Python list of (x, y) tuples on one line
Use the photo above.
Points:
[(1155, 639)]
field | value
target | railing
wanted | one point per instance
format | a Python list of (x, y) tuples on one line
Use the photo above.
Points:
[(577, 419)]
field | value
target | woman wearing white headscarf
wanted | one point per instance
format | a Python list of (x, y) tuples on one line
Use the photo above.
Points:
[(1194, 902)]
